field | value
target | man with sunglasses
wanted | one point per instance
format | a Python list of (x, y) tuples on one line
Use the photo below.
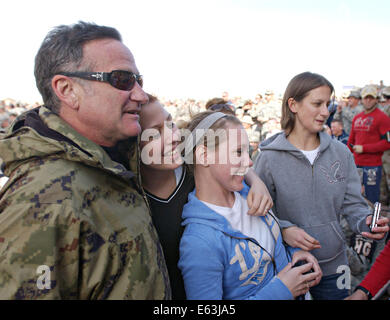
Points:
[(74, 222)]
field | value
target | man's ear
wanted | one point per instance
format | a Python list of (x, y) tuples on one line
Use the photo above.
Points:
[(292, 104), (201, 155), (65, 90)]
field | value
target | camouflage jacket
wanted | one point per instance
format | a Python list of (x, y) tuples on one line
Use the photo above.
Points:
[(386, 109), (346, 115), (72, 225)]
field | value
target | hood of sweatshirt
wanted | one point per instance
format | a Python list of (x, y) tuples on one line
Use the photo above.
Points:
[(39, 133), (279, 142), (195, 211)]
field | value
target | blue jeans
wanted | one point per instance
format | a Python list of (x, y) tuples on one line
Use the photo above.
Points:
[(371, 179), (327, 289)]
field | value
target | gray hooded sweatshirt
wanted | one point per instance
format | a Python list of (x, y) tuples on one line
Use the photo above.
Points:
[(312, 197)]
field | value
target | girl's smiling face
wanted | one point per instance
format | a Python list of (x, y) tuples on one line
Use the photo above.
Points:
[(230, 160), (160, 138)]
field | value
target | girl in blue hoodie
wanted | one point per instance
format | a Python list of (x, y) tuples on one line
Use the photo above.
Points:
[(225, 253), (167, 183)]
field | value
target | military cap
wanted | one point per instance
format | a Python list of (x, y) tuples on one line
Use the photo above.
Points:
[(369, 90)]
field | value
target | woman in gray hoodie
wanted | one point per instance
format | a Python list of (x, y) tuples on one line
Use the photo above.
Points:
[(312, 180)]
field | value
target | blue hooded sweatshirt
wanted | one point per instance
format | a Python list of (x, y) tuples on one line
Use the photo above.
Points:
[(218, 262)]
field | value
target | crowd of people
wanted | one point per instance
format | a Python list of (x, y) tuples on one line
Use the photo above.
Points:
[(99, 192), (10, 109)]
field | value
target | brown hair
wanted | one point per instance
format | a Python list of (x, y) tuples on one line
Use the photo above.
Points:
[(218, 125), (222, 107), (298, 88), (62, 50), (213, 101), (152, 98)]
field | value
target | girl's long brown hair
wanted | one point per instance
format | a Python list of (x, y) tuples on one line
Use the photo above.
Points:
[(298, 88)]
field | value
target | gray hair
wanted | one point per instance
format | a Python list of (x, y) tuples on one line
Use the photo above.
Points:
[(62, 50)]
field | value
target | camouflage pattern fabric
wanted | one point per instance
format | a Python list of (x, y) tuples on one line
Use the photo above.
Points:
[(346, 116), (361, 252), (71, 210), (385, 181), (385, 109), (270, 110), (358, 262)]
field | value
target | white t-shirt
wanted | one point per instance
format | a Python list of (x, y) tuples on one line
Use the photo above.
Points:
[(253, 227), (311, 154)]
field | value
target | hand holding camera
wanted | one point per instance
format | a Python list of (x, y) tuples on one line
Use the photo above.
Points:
[(301, 274), (378, 225), (375, 216)]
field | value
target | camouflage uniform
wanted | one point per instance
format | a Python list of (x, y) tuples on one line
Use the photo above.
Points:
[(268, 111), (385, 181), (358, 259), (69, 207), (361, 252), (346, 116)]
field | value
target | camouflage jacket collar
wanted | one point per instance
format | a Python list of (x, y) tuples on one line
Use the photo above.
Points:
[(40, 132)]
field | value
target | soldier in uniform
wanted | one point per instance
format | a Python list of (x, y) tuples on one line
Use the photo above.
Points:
[(385, 183), (385, 100), (359, 252), (346, 114), (74, 223)]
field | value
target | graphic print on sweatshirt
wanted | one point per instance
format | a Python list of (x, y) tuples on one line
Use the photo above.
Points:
[(256, 273), (334, 173), (363, 123), (261, 262)]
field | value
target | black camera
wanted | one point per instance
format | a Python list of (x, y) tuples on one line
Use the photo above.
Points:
[(301, 263), (298, 264)]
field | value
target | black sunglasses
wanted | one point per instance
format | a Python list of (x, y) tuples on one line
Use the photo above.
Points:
[(120, 79)]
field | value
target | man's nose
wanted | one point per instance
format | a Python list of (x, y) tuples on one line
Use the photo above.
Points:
[(138, 94)]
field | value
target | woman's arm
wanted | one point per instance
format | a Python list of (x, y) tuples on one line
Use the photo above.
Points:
[(299, 238), (356, 210), (259, 199)]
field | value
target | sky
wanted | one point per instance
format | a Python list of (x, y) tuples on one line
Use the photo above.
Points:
[(200, 48)]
